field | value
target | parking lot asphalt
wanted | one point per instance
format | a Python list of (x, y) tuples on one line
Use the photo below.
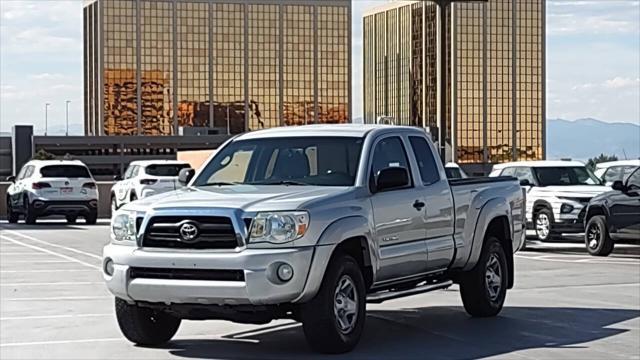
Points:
[(565, 305)]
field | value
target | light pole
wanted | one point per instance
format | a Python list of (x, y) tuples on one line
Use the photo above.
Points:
[(67, 117), (442, 50), (46, 118)]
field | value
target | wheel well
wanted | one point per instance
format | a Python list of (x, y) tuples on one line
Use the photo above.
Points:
[(541, 205), (358, 248), (593, 211), (499, 227)]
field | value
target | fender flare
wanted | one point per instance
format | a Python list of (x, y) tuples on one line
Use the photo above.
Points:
[(491, 210), (336, 233)]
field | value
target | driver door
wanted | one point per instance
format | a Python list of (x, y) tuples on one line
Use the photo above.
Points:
[(625, 208)]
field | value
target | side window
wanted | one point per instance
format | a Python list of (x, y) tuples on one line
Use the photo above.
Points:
[(389, 152), (633, 182), (508, 172), (612, 174), (135, 171), (29, 172), (524, 173), (424, 157)]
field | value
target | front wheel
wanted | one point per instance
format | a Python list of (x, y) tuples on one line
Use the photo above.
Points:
[(484, 288), (145, 326), (12, 216), (333, 321), (543, 223), (29, 214), (596, 237)]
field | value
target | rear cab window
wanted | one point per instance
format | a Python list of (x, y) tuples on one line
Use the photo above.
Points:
[(65, 171), (429, 173)]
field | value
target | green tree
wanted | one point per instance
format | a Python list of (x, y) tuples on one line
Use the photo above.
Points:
[(42, 154), (591, 164)]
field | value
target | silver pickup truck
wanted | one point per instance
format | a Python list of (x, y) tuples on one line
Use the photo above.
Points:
[(311, 223)]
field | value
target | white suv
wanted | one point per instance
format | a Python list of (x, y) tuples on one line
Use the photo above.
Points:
[(52, 187), (146, 178), (557, 194), (615, 170)]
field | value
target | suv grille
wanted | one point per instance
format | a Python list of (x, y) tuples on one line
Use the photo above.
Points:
[(186, 274), (213, 232)]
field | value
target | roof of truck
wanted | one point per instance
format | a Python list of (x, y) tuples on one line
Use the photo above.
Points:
[(539, 163), (346, 130)]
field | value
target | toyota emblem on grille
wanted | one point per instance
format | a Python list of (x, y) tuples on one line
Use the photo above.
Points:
[(188, 232)]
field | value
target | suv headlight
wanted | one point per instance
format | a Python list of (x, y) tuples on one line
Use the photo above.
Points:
[(123, 226), (279, 227)]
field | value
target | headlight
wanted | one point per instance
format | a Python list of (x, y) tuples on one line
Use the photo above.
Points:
[(123, 226), (279, 227), (566, 208)]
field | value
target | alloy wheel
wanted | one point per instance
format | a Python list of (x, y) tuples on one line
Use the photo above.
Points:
[(493, 277), (542, 226), (345, 305)]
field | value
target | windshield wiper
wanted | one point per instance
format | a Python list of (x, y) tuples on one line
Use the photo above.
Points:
[(281, 182)]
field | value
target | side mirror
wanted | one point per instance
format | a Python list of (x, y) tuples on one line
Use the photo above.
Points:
[(185, 176), (117, 177), (618, 185), (525, 182), (392, 178), (11, 179)]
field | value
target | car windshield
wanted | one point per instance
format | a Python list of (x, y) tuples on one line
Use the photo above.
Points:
[(322, 161), (565, 175), (165, 169), (64, 171)]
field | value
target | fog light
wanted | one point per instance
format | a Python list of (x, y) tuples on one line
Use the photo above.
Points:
[(285, 272), (566, 208), (108, 267)]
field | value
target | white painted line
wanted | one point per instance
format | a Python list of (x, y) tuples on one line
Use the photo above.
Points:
[(552, 258), (20, 253), (11, 232), (41, 317), (60, 298), (50, 252), (5, 262), (46, 271), (55, 283)]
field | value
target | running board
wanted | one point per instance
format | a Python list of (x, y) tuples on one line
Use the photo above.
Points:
[(379, 297)]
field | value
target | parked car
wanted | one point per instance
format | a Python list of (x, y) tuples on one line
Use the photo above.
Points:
[(52, 187), (614, 216), (145, 178), (557, 194), (454, 171), (311, 223), (611, 171)]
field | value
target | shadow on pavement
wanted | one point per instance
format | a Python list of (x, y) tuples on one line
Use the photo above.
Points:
[(434, 333)]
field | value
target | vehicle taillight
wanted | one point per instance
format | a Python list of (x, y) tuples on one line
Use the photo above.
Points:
[(89, 185), (148, 181), (40, 185)]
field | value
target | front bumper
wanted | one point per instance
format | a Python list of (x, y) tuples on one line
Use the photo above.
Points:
[(68, 207), (260, 286)]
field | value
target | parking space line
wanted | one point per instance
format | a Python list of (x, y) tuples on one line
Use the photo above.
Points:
[(63, 316), (553, 258), (11, 232), (55, 283), (61, 298), (5, 262), (50, 252), (21, 253)]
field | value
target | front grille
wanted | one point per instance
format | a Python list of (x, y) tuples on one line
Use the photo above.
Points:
[(214, 232), (186, 274)]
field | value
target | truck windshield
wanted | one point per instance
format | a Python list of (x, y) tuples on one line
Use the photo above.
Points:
[(550, 176), (322, 161), (165, 169)]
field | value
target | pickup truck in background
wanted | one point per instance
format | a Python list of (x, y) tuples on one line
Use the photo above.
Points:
[(312, 223)]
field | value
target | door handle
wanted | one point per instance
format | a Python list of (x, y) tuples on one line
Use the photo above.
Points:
[(418, 205)]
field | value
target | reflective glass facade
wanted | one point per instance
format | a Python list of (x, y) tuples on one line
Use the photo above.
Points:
[(495, 92), (153, 67)]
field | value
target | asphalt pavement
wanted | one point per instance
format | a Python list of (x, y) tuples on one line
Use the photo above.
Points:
[(565, 305)]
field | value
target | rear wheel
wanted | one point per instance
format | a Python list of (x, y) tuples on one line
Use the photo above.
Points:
[(543, 223), (596, 237), (71, 219), (92, 217), (333, 321), (29, 215), (12, 216), (145, 326), (484, 288)]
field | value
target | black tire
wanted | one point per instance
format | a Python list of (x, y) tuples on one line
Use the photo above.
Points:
[(12, 216), (320, 320), (71, 219), (30, 217), (92, 217), (478, 297), (114, 204), (544, 215), (596, 237), (145, 326)]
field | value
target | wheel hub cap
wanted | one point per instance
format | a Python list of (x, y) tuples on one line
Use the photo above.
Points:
[(542, 226), (345, 305), (493, 277), (593, 236)]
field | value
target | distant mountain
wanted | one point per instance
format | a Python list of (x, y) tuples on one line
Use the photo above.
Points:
[(586, 138)]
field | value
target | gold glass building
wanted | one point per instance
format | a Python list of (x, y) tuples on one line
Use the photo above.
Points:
[(152, 67), (496, 63)]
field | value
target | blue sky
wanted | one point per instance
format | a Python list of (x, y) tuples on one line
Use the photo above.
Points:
[(593, 60)]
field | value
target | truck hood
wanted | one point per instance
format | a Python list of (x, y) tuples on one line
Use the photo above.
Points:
[(577, 191), (245, 197)]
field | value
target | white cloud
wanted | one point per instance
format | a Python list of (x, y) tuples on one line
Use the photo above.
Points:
[(46, 76), (593, 17), (622, 82)]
